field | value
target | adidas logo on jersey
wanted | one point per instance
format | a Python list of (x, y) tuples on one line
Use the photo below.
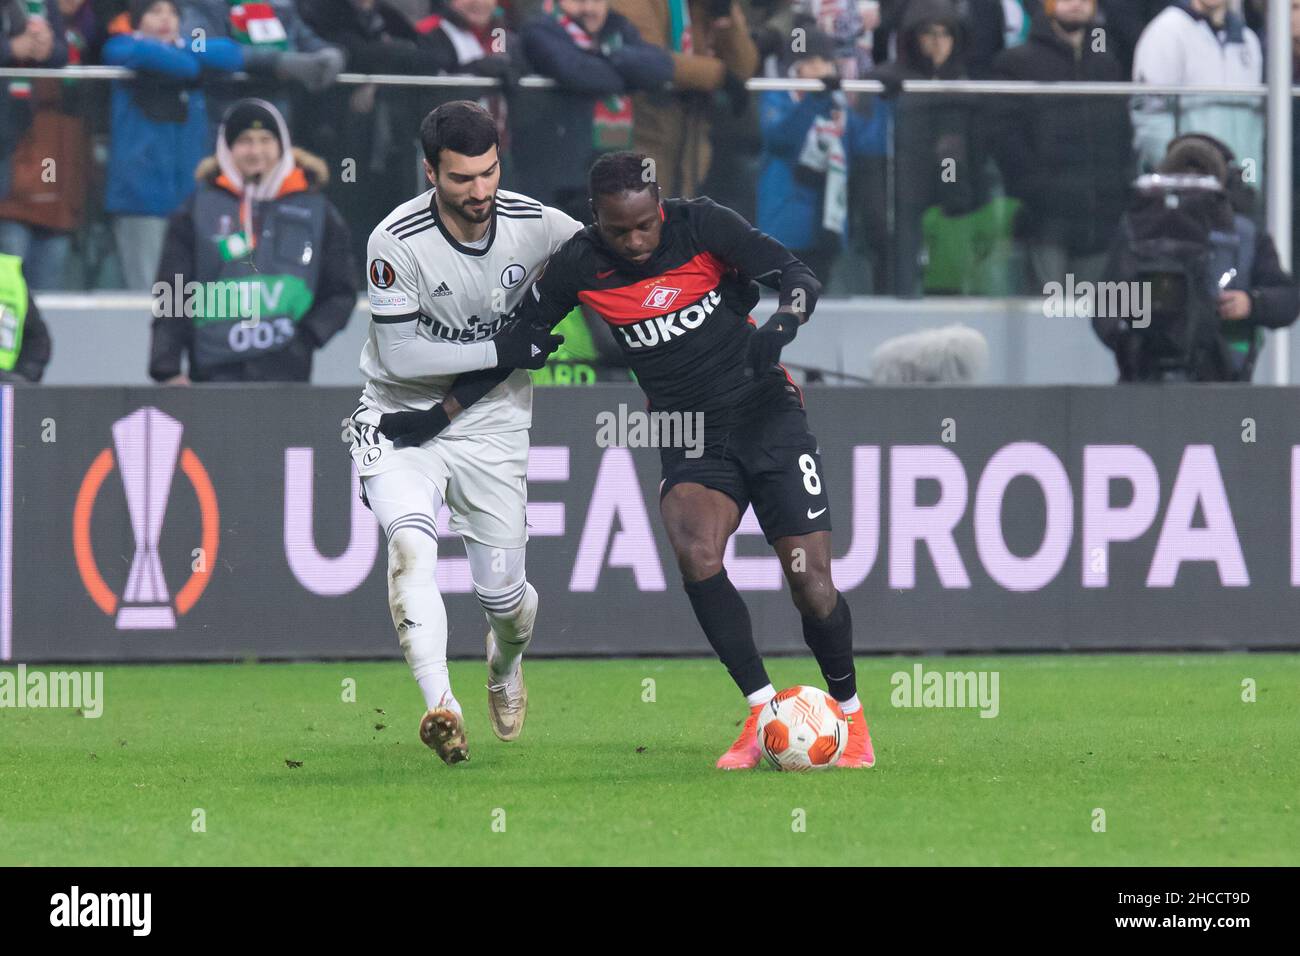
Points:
[(536, 351), (441, 290)]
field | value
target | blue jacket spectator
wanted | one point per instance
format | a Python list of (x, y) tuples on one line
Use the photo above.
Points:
[(808, 140), (159, 128), (597, 58)]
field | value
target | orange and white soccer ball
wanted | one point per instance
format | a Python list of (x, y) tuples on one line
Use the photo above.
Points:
[(802, 728)]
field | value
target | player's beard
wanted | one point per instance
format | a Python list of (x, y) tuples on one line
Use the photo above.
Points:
[(476, 216)]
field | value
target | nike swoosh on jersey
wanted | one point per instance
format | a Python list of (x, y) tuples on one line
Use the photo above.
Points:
[(605, 275), (813, 514)]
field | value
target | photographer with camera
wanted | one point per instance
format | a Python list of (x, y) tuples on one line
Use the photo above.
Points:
[(1208, 276)]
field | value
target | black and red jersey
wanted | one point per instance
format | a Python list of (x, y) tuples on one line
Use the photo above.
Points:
[(682, 317)]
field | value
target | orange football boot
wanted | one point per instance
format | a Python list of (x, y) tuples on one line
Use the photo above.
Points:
[(744, 753), (858, 751)]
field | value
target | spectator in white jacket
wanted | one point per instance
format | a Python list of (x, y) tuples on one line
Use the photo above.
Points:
[(1199, 43)]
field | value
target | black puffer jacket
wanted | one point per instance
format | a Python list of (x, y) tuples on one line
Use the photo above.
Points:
[(934, 130), (1069, 159)]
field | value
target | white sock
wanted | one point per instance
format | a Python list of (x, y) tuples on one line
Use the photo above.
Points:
[(419, 615), (760, 696), (436, 687), (850, 706), (511, 632)]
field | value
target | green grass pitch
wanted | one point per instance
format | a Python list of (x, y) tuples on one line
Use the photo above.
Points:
[(1186, 772)]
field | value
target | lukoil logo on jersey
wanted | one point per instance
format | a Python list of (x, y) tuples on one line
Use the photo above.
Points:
[(146, 450), (663, 328)]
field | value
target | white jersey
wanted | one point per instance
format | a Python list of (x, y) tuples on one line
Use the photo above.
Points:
[(435, 304)]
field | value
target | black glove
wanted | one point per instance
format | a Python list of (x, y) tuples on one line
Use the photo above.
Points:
[(413, 428), (523, 346), (765, 344), (892, 84), (831, 83)]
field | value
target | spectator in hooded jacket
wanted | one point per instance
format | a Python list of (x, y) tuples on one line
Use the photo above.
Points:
[(1069, 160), (939, 163), (991, 26), (808, 142), (598, 59), (159, 126), (1198, 43), (269, 253)]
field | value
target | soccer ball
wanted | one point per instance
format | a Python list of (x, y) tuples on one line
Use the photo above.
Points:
[(802, 728)]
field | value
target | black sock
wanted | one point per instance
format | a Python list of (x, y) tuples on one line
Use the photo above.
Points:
[(722, 613), (831, 641)]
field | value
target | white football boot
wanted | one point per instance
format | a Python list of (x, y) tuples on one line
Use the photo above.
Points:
[(507, 700)]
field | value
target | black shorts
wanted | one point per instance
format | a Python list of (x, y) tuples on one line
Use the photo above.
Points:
[(770, 460)]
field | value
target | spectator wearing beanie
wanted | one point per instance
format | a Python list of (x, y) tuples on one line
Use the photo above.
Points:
[(259, 224), (159, 125), (1069, 161)]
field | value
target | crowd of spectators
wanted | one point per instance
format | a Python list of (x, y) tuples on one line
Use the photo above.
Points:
[(959, 193)]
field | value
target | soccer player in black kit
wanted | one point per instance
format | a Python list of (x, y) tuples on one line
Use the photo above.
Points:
[(674, 280)]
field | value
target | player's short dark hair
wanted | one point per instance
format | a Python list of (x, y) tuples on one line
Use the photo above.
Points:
[(623, 172), (460, 126)]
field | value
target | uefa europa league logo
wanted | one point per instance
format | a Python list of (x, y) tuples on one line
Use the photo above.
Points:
[(147, 443), (146, 450)]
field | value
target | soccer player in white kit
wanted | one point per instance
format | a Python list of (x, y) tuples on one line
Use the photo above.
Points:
[(445, 270)]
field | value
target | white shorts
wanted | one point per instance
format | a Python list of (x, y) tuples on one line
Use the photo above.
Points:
[(483, 479)]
